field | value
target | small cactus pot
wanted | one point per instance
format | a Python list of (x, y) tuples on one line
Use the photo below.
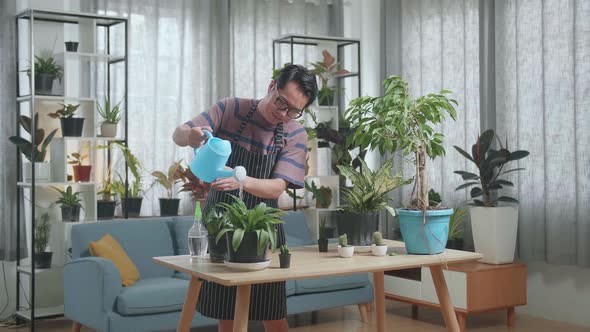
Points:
[(378, 250), (346, 252)]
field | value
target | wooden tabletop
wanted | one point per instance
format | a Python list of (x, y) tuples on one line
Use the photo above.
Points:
[(307, 262)]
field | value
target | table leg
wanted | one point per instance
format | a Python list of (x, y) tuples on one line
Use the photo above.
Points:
[(190, 305), (462, 319), (378, 283), (242, 308), (446, 306), (511, 317)]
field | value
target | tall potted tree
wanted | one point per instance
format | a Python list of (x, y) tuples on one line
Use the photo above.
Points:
[(42, 168), (42, 231), (169, 204), (131, 196), (398, 122), (494, 227)]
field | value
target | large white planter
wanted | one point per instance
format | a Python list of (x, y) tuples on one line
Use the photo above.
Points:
[(108, 130), (42, 172), (494, 233)]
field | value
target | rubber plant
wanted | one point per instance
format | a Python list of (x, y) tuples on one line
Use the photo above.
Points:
[(39, 145)]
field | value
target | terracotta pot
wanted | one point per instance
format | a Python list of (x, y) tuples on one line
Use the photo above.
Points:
[(82, 173)]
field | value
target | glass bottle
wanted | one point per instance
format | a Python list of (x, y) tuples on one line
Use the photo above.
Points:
[(197, 235)]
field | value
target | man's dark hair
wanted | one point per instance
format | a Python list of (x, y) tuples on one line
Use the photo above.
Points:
[(305, 80)]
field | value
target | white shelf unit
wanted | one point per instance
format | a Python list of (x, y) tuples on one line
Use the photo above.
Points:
[(87, 78)]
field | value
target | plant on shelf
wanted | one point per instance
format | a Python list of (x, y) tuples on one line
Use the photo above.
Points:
[(395, 122), (39, 147), (215, 222), (456, 222), (367, 197), (70, 203), (326, 70), (111, 115), (105, 204), (70, 126), (81, 172), (168, 180), (249, 231), (284, 257), (46, 71), (378, 248), (131, 196), (322, 195), (344, 250), (486, 215), (42, 231)]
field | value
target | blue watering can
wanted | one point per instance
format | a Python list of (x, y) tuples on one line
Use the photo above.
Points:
[(210, 159)]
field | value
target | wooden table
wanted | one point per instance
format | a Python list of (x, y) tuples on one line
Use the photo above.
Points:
[(307, 263)]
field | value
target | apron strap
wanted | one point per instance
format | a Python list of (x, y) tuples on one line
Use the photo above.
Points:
[(279, 133)]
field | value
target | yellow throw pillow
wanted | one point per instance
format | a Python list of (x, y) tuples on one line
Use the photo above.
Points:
[(107, 247)]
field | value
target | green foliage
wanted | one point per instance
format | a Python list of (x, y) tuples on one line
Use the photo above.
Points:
[(277, 71), (42, 229), (68, 198), (134, 166), (434, 198), (327, 69), (261, 219), (398, 122), (343, 240), (490, 163), (111, 115), (370, 188), (76, 158), (67, 111), (46, 66), (457, 219), (323, 234), (215, 222), (323, 194), (41, 142), (168, 180), (284, 249), (378, 238)]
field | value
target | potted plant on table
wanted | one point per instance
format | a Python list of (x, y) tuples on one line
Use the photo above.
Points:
[(326, 70), (39, 146), (111, 117), (398, 122), (323, 237), (367, 197), (285, 257), (70, 126), (249, 231), (378, 248), (215, 222), (169, 205), (456, 222), (494, 227), (322, 195), (70, 204), (42, 231), (344, 250), (46, 71), (81, 172)]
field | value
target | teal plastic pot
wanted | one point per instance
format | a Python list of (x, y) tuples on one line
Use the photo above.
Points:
[(424, 239)]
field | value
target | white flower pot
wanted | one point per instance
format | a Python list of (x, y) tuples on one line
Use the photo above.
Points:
[(42, 172), (378, 250), (494, 233), (108, 130), (346, 252)]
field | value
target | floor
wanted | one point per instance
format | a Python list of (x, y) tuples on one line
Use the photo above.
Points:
[(346, 319)]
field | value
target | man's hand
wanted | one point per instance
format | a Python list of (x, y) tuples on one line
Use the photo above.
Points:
[(196, 137)]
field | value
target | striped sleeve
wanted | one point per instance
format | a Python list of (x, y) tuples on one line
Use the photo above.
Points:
[(211, 118), (290, 165)]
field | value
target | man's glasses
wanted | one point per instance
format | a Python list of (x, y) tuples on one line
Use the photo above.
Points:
[(282, 105)]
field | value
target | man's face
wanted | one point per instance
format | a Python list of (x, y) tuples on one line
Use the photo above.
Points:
[(282, 105)]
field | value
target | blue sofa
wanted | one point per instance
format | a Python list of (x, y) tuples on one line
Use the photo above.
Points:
[(94, 297)]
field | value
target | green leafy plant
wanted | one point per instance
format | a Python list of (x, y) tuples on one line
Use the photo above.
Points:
[(67, 111), (490, 163), (326, 70), (455, 223), (378, 238), (261, 220), (68, 198), (323, 230), (323, 195), (285, 249), (277, 71), (111, 115), (46, 65), (42, 229), (41, 142), (343, 240), (370, 188), (398, 122), (171, 178), (76, 158), (134, 166), (215, 222)]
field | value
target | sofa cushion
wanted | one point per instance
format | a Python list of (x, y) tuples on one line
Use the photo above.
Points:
[(150, 296), (296, 231), (330, 284), (107, 247), (290, 287)]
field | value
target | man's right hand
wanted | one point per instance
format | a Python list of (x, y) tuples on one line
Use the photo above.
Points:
[(196, 137)]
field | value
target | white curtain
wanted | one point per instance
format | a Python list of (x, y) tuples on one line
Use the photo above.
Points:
[(543, 106)]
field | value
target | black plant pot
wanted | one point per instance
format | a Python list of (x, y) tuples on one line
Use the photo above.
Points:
[(105, 209), (132, 206), (71, 46), (169, 206), (72, 127), (359, 227), (285, 261), (323, 245), (217, 250), (247, 251), (43, 260), (44, 84), (456, 244), (70, 214)]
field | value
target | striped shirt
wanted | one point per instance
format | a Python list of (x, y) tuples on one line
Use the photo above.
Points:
[(225, 116)]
